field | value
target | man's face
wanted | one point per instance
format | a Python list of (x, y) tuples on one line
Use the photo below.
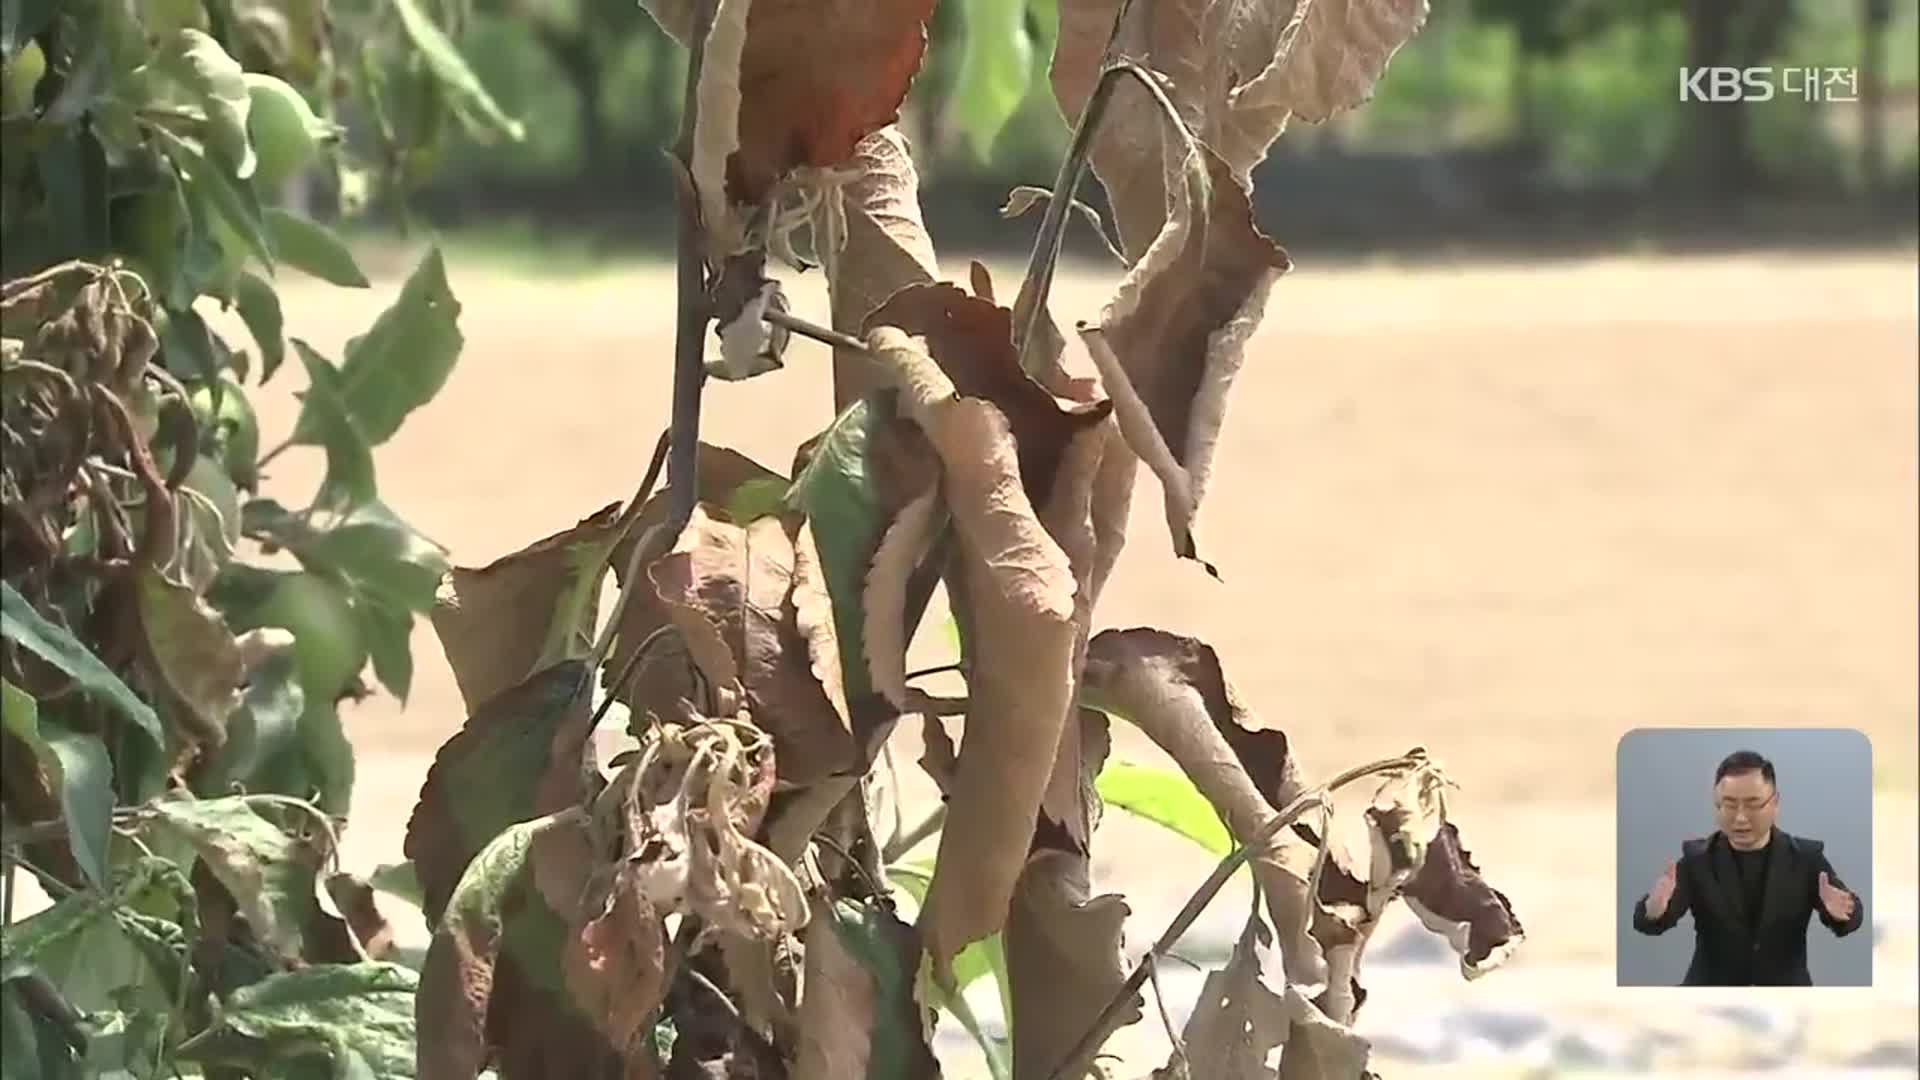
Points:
[(1746, 805)]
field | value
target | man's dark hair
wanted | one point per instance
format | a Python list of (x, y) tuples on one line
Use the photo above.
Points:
[(1744, 761)]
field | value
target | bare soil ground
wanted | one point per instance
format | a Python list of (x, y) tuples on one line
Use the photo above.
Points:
[(1505, 511)]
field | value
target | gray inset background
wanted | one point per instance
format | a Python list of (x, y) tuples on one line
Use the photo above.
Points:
[(1664, 785)]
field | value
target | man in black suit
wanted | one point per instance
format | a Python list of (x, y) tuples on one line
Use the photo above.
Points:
[(1751, 887)]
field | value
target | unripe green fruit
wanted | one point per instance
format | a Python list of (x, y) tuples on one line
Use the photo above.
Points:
[(327, 649), (284, 130), (237, 427), (22, 77)]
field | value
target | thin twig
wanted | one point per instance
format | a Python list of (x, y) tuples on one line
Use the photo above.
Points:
[(874, 885), (824, 335), (921, 673), (694, 308), (636, 558), (1053, 224), (911, 839), (1160, 1003), (1190, 912)]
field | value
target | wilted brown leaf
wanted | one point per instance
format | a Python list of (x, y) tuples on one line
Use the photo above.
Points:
[(1174, 336), (1019, 591), (1064, 960), (614, 960), (495, 622), (727, 589), (518, 757), (1236, 71), (347, 925), (906, 542), (492, 988), (1325, 57), (971, 339), (1250, 1008), (1453, 900), (786, 86), (663, 676), (1173, 689), (192, 655), (858, 1017), (1240, 1017), (869, 236)]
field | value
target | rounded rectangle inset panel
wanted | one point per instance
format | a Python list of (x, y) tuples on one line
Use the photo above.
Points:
[(1743, 857)]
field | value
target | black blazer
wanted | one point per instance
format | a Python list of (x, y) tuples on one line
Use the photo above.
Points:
[(1728, 948)]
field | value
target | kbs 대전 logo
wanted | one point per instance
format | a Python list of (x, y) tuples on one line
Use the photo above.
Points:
[(1765, 83)]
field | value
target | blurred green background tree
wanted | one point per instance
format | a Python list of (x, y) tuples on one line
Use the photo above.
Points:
[(1500, 109)]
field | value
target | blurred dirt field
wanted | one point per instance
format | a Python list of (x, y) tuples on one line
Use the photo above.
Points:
[(1505, 511)]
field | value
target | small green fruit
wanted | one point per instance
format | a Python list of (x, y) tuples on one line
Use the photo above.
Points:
[(284, 130), (22, 77), (327, 649), (236, 429)]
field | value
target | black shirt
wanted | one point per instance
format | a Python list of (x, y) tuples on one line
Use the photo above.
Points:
[(1752, 866)]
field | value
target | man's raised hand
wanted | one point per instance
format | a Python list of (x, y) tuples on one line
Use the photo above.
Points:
[(1838, 902), (1662, 892)]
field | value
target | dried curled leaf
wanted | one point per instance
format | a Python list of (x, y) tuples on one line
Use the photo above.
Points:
[(1064, 961), (728, 590), (1235, 70), (1453, 900), (1173, 689), (724, 475), (497, 622), (870, 238), (784, 88), (859, 1017), (192, 654), (615, 961), (1019, 591), (971, 339), (1174, 336)]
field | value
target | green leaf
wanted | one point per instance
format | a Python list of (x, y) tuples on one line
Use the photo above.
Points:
[(379, 556), (22, 19), (837, 495), (213, 80), (259, 308), (996, 66), (312, 248), (328, 757), (231, 201), (475, 107), (757, 498), (357, 1017), (387, 631), (123, 944), (1167, 798), (266, 722), (402, 361), (491, 938), (80, 771), (984, 957), (269, 872), (349, 481), (20, 623)]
